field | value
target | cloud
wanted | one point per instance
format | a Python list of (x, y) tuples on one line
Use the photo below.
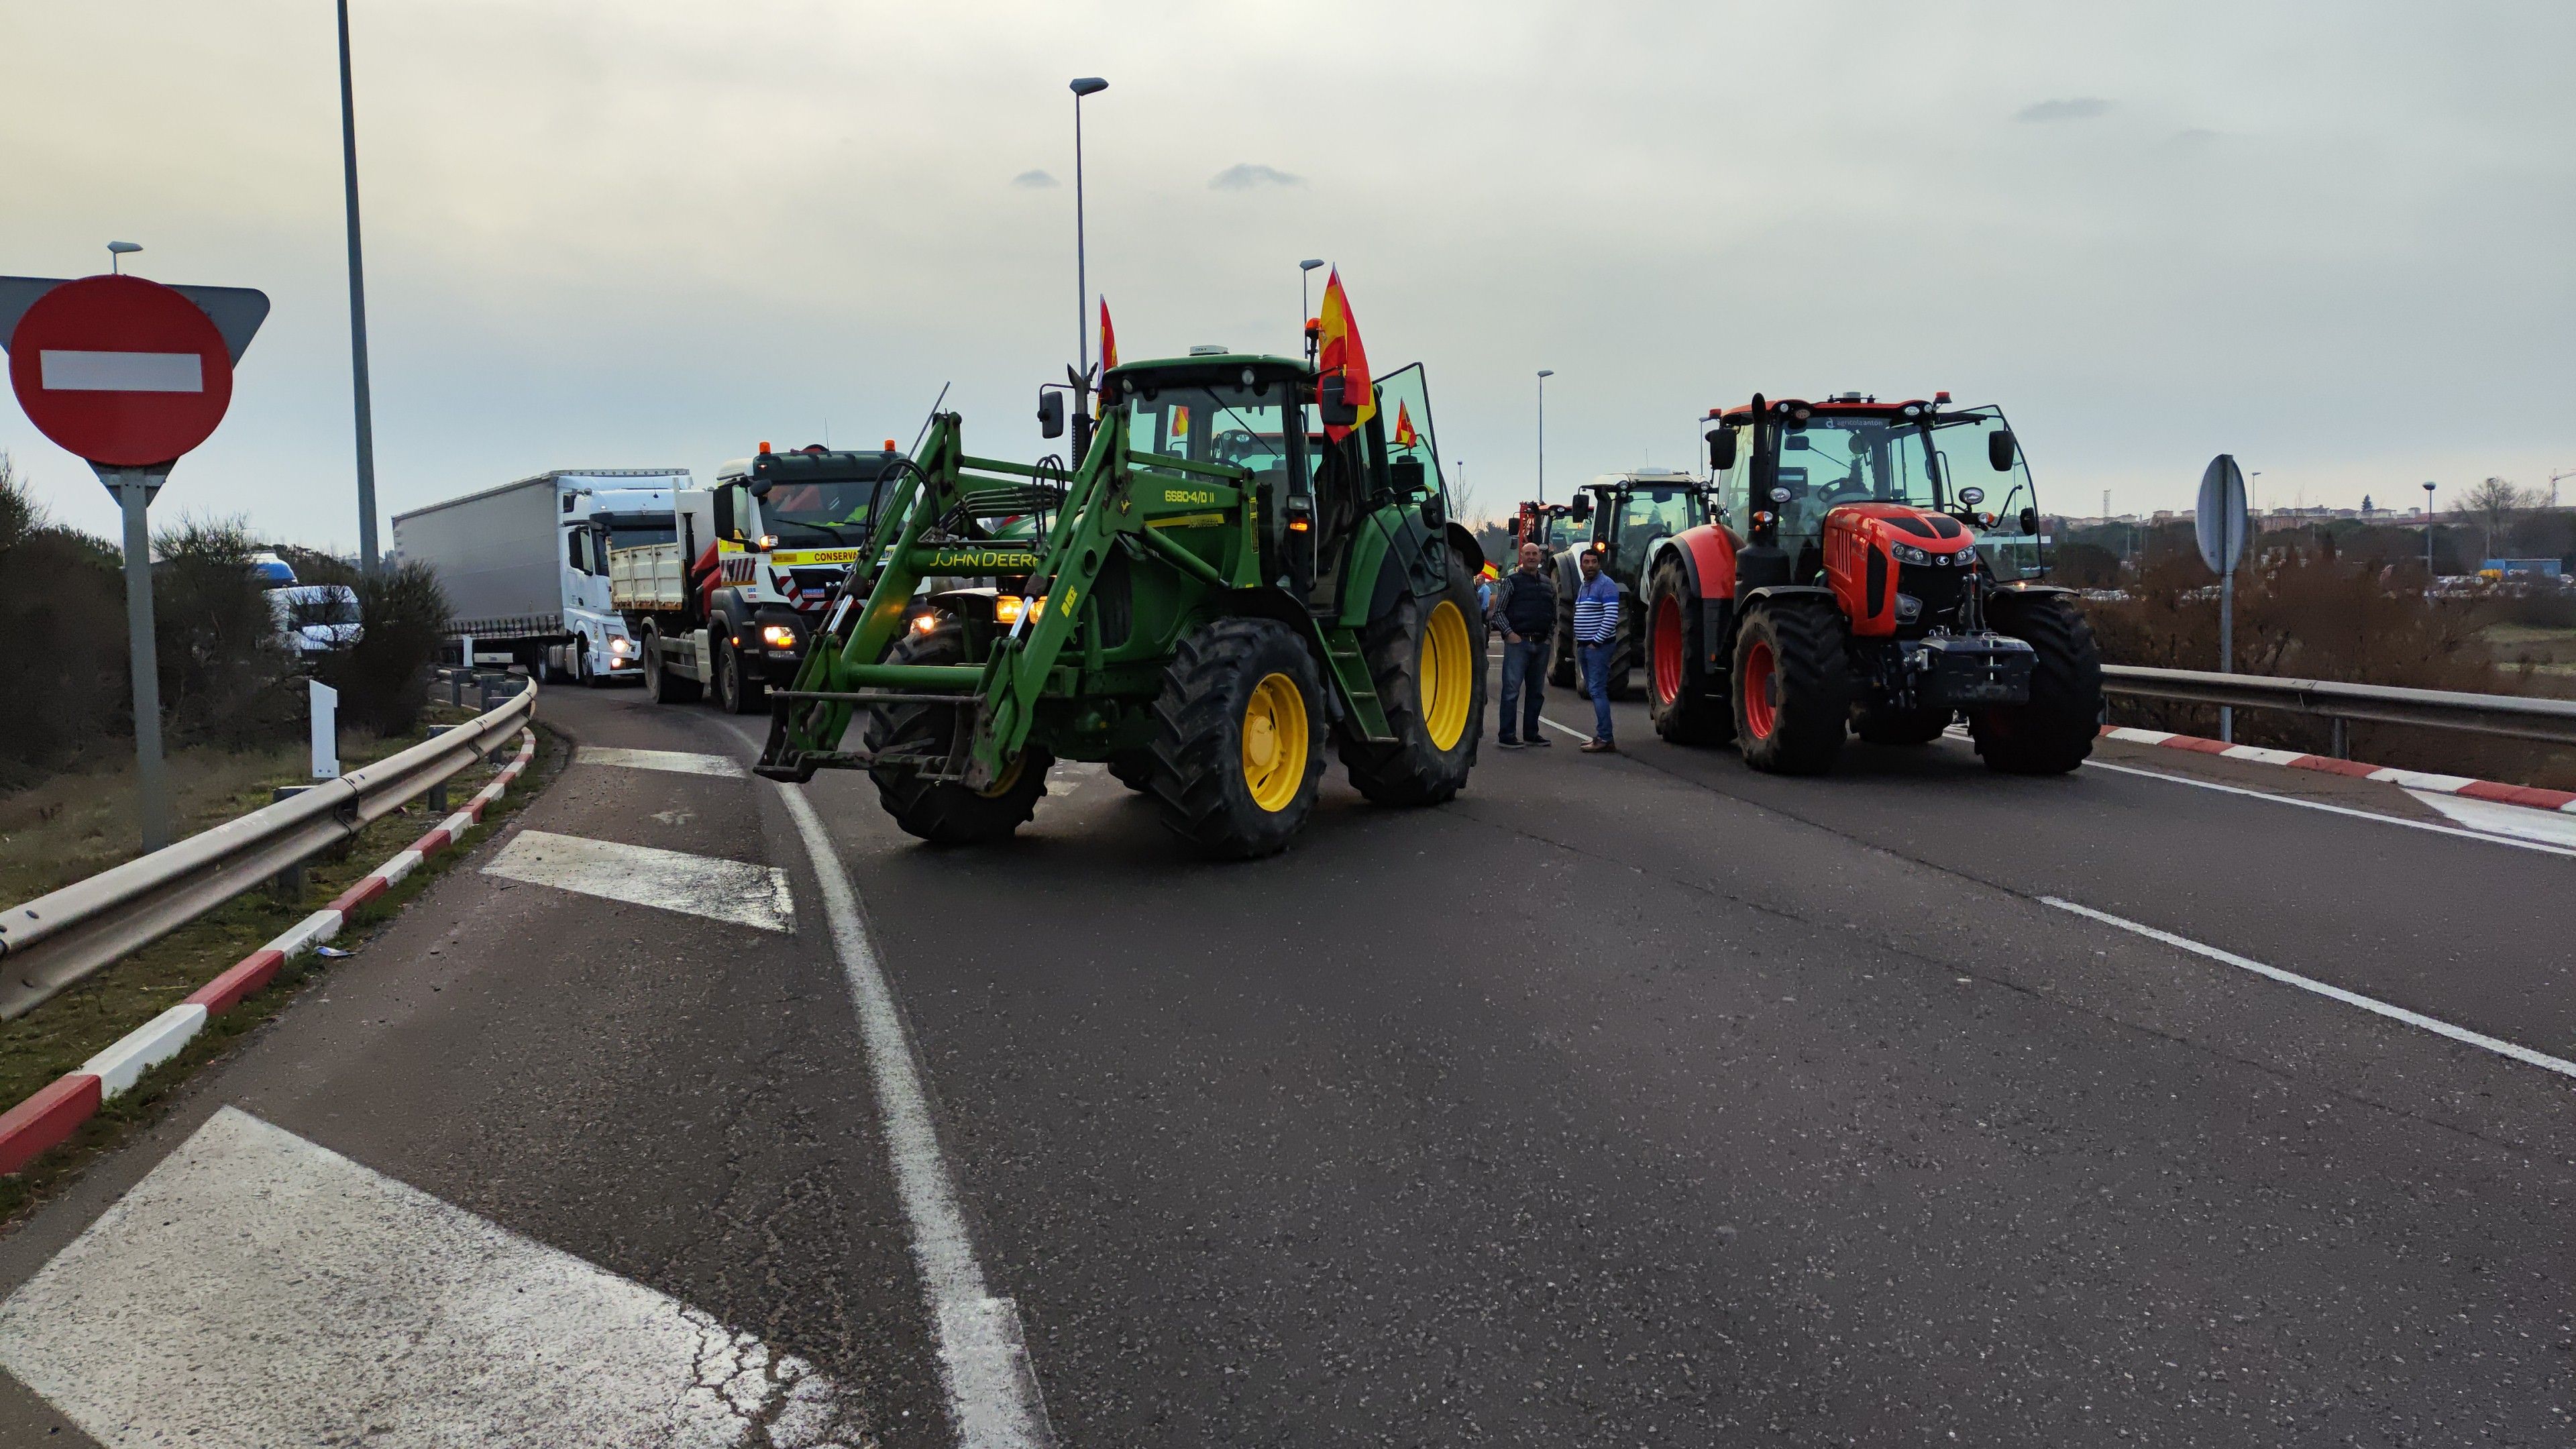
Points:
[(1036, 180), (1245, 175), (2078, 108)]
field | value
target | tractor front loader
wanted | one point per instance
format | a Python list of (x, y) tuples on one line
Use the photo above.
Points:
[(1240, 569)]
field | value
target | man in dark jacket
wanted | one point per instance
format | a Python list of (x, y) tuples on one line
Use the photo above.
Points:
[(1524, 613)]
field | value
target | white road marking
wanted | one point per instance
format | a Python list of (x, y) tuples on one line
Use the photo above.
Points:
[(735, 891), (993, 1397), (677, 762), (71, 370), (2494, 817), (2490, 839), (1566, 730), (2500, 1047), (256, 1290)]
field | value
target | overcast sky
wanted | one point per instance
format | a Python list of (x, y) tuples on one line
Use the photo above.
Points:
[(2334, 239)]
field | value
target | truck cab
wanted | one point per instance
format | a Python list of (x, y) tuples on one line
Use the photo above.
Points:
[(601, 513)]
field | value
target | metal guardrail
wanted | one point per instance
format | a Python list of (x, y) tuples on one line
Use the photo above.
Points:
[(55, 940), (2517, 716)]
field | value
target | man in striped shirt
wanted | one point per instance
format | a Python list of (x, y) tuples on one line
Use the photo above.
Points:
[(1596, 634)]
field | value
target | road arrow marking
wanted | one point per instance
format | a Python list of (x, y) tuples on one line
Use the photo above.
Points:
[(734, 891), (256, 1290)]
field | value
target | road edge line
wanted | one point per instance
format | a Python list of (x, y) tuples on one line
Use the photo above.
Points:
[(2373, 1005), (993, 1397)]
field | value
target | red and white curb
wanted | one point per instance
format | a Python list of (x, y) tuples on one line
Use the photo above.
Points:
[(47, 1118), (2535, 798)]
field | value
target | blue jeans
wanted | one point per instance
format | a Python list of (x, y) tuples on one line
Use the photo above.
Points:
[(1524, 664), (1595, 659)]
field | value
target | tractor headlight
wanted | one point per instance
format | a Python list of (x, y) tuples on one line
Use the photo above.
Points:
[(1908, 553), (778, 636), (1007, 608), (924, 623)]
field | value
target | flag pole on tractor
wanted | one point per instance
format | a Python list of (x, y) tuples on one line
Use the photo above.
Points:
[(1342, 370)]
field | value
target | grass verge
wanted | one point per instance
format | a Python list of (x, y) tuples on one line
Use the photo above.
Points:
[(58, 1036)]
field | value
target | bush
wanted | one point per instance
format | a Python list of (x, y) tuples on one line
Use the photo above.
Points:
[(383, 681), (225, 679), (62, 640)]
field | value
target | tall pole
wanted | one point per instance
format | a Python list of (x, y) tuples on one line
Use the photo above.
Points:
[(133, 489), (357, 310), (2428, 539), (1544, 374), (1082, 86)]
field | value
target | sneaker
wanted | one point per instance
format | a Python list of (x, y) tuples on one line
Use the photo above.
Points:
[(1507, 742), (1599, 747), (1541, 742)]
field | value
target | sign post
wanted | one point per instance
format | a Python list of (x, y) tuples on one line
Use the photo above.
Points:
[(129, 375), (2220, 526)]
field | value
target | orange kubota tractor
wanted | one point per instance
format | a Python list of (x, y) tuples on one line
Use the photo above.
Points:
[(1857, 581)]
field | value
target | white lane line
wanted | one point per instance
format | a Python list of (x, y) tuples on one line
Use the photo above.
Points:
[(677, 762), (993, 1397), (734, 891), (256, 1290), (2489, 838), (2494, 817), (1566, 730), (2438, 1027)]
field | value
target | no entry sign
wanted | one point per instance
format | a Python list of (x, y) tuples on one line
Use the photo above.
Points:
[(120, 370)]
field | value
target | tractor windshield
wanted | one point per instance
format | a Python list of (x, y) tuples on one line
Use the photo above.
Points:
[(1836, 458), (1243, 426)]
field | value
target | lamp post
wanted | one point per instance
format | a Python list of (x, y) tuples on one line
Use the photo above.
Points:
[(357, 311), (2428, 538), (117, 252), (1089, 85), (1544, 374)]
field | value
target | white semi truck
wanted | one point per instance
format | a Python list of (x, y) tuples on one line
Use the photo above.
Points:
[(725, 605), (525, 565)]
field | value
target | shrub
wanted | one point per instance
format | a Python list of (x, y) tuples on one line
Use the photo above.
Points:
[(383, 680), (62, 640)]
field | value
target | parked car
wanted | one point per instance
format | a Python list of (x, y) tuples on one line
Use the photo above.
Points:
[(272, 570), (315, 619)]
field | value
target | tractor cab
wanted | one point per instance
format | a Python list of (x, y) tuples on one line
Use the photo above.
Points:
[(1624, 515)]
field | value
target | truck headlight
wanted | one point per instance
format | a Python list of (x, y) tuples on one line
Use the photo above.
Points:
[(1908, 553), (621, 646), (778, 636)]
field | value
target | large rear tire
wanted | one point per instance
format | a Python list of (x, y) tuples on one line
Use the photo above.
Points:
[(664, 686), (2054, 732), (1688, 705), (1792, 687), (947, 812), (1239, 738), (1426, 658)]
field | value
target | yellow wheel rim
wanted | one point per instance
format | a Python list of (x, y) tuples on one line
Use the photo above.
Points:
[(1448, 675), (1274, 742), (1010, 776)]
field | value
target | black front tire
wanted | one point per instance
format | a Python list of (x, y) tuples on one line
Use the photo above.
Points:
[(947, 812), (659, 682), (2054, 732), (1434, 700), (1133, 769), (1688, 703), (1204, 783), (1795, 652), (736, 692)]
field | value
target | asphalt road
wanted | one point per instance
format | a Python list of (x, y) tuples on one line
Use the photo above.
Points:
[(1627, 1100)]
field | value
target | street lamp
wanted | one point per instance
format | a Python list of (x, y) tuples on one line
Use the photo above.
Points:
[(1089, 85), (2428, 537), (117, 252), (360, 394), (1305, 269), (1544, 374)]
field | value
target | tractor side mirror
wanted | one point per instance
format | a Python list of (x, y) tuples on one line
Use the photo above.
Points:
[(1999, 450), (1406, 475), (1721, 448), (2030, 522), (1050, 413), (1330, 407), (1580, 510)]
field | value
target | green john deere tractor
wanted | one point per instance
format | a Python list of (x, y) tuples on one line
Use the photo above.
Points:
[(1244, 565)]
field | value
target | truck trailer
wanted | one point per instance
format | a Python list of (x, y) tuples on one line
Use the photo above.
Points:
[(526, 565)]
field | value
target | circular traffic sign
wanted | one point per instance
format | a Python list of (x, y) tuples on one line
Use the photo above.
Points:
[(120, 370)]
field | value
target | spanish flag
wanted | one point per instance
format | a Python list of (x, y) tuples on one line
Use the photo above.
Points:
[(1108, 339), (1342, 353), (1405, 437)]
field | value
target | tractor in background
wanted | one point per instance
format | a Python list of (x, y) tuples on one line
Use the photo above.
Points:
[(1871, 590), (1627, 514), (1244, 567)]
